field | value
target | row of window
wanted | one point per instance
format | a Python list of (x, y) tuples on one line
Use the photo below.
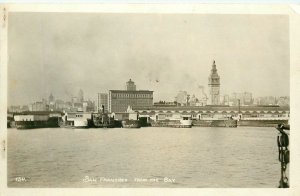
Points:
[(121, 95)]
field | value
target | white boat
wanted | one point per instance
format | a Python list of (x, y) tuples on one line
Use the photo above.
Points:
[(80, 123)]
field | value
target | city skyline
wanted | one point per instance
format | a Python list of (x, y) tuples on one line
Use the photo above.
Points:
[(148, 50)]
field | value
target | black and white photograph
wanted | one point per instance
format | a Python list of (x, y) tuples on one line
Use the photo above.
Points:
[(148, 100)]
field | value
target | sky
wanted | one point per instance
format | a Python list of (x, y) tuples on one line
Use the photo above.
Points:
[(60, 53)]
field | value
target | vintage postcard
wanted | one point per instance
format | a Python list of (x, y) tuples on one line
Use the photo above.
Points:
[(146, 96)]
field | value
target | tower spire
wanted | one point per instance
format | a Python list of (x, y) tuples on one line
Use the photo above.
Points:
[(214, 85)]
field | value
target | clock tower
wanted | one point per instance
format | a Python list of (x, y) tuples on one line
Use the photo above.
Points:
[(214, 86)]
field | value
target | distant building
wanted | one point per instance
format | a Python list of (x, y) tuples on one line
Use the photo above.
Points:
[(214, 86), (165, 104), (247, 98), (39, 106), (226, 100), (74, 100), (102, 101), (182, 98), (119, 100), (283, 101), (77, 107), (14, 109), (51, 99), (25, 108), (130, 86), (268, 100), (193, 101), (88, 106), (80, 96), (244, 98), (60, 105), (202, 99)]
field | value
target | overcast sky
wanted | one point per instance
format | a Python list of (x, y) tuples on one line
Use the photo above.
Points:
[(62, 53)]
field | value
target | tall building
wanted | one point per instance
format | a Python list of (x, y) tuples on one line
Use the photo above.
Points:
[(51, 98), (214, 86), (247, 98), (119, 100), (80, 96), (130, 86), (102, 101)]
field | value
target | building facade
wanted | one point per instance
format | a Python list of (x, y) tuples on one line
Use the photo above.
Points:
[(119, 100), (219, 112), (214, 86)]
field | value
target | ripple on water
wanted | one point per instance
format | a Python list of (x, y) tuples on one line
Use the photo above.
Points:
[(196, 157)]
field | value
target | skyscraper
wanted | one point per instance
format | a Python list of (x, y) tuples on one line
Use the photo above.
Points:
[(80, 96), (214, 86), (51, 98)]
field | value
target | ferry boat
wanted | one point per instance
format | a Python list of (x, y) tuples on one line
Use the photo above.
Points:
[(128, 119), (131, 124), (81, 123), (102, 120), (172, 120)]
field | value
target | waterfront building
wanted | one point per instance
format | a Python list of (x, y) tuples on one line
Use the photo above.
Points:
[(77, 119), (219, 112), (102, 101), (165, 103), (214, 86), (119, 100)]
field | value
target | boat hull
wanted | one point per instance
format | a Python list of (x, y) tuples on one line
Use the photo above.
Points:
[(102, 120), (215, 123), (172, 123), (131, 124), (261, 123)]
